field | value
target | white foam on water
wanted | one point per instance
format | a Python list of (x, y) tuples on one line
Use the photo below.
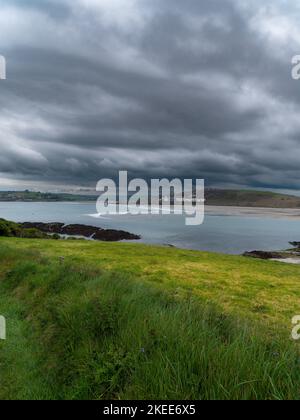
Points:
[(96, 216), (287, 260)]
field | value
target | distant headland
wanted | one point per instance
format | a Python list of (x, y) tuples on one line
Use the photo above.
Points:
[(32, 196), (213, 197)]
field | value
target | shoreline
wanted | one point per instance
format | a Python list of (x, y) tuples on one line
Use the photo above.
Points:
[(216, 211), (84, 230), (233, 211), (58, 230)]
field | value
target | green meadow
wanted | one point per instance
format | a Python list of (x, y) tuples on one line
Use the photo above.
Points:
[(92, 320)]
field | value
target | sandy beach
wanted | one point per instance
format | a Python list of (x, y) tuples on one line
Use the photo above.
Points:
[(290, 214)]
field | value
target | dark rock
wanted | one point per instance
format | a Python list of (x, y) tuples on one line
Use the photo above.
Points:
[(82, 230), (263, 255), (114, 235), (295, 244), (79, 230)]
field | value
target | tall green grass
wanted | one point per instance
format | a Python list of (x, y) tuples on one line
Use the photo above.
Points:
[(76, 332)]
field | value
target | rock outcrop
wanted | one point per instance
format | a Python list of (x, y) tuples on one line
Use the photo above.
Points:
[(85, 231), (264, 255)]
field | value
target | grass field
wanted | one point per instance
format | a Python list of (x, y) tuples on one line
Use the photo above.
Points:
[(88, 320)]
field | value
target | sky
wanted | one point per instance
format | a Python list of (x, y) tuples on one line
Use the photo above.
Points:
[(160, 88)]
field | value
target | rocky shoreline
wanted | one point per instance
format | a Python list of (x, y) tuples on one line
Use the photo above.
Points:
[(77, 230), (290, 255)]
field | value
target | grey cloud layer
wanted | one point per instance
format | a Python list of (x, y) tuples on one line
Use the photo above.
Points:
[(160, 88)]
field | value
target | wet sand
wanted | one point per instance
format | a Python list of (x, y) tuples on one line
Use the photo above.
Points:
[(290, 214)]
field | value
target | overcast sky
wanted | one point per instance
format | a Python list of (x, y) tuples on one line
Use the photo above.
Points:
[(194, 88)]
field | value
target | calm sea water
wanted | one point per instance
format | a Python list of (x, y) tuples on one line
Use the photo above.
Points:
[(221, 233)]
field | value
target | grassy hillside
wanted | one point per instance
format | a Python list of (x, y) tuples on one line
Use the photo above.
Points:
[(97, 321), (38, 196), (214, 197), (247, 198)]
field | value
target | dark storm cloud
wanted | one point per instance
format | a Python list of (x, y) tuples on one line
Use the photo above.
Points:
[(160, 88)]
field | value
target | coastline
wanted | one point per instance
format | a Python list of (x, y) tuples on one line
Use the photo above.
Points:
[(227, 229), (235, 211), (284, 213)]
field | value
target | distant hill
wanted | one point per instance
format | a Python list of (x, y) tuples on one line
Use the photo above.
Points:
[(38, 196), (214, 197), (247, 198)]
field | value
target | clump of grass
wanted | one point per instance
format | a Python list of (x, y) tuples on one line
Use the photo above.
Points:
[(77, 332), (12, 229)]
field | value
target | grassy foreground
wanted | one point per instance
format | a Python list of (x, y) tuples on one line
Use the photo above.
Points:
[(109, 321)]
